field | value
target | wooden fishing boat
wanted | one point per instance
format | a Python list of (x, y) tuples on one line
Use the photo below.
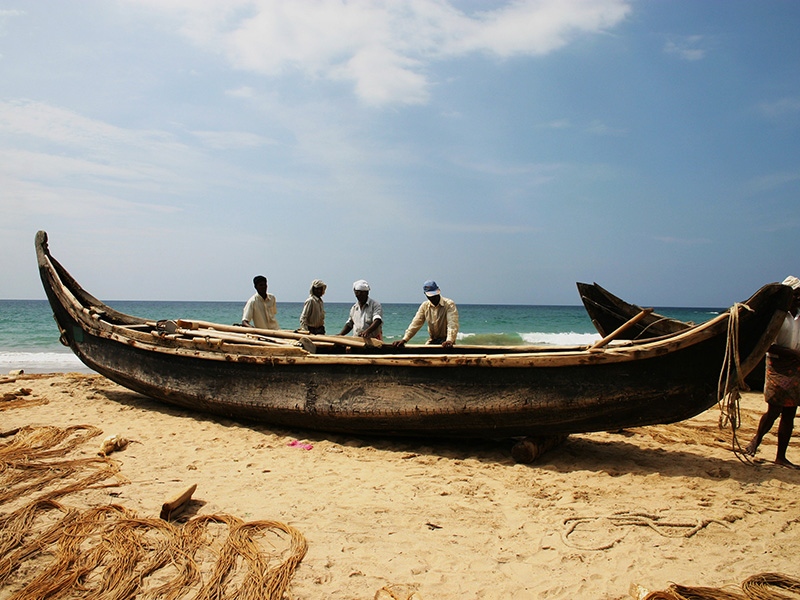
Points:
[(343, 384), (609, 312)]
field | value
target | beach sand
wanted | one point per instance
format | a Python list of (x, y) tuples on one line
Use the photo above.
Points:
[(591, 518)]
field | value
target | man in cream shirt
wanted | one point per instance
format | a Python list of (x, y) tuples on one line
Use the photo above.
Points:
[(441, 315), (260, 310)]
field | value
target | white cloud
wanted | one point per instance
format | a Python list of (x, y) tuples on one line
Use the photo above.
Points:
[(382, 47), (686, 48), (70, 130), (52, 159), (779, 108), (557, 124), (381, 76), (482, 228), (23, 199), (772, 182), (666, 239), (5, 16), (538, 173), (226, 140), (242, 92), (600, 128), (535, 28), (782, 224)]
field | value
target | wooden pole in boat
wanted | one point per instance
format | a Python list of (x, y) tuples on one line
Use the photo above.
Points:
[(620, 329), (343, 340)]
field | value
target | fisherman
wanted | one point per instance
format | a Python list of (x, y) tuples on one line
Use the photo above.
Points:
[(366, 315), (439, 312), (782, 386), (261, 309), (312, 318)]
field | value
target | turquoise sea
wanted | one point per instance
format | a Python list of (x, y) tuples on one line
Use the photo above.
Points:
[(29, 336)]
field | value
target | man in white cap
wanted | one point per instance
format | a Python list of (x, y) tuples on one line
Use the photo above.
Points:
[(782, 386), (312, 317), (366, 315), (441, 315)]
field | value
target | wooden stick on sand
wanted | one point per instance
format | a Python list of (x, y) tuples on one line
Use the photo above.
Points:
[(173, 507)]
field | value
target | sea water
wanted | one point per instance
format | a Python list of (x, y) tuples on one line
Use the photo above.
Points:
[(29, 334)]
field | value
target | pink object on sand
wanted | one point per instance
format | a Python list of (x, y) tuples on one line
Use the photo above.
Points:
[(300, 445)]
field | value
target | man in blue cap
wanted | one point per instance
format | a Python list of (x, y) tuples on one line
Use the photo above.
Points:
[(441, 315)]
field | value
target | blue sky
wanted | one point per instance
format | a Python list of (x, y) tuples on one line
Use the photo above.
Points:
[(172, 149)]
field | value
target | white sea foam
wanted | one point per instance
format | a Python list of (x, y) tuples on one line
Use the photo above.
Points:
[(41, 362), (535, 338), (560, 339)]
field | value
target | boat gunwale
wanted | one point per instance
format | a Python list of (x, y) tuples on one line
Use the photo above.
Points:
[(91, 318)]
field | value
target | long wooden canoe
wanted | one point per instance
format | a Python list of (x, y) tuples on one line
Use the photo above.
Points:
[(609, 312), (335, 384)]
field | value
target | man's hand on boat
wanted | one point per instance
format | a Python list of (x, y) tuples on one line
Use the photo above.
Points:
[(401, 343)]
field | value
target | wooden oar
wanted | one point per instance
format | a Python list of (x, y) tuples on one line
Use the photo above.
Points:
[(620, 329), (174, 329), (215, 338), (230, 336), (353, 341)]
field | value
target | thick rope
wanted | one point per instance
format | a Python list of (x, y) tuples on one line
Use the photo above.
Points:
[(108, 552), (731, 383), (767, 586), (664, 528), (764, 586)]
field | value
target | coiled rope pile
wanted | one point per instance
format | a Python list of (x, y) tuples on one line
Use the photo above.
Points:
[(51, 550), (764, 586)]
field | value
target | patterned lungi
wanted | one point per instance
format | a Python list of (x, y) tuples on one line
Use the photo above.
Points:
[(782, 385)]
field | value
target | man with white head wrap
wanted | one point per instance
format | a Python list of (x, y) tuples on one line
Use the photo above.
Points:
[(366, 315), (312, 318), (782, 387)]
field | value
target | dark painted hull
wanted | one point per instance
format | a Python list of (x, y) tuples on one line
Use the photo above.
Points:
[(466, 393)]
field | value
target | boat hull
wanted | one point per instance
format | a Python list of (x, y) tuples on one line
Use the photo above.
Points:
[(430, 401), (475, 393)]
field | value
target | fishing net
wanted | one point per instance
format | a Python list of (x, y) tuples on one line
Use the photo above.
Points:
[(19, 398), (764, 586), (49, 549), (771, 586)]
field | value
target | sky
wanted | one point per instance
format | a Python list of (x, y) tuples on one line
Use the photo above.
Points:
[(173, 149)]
